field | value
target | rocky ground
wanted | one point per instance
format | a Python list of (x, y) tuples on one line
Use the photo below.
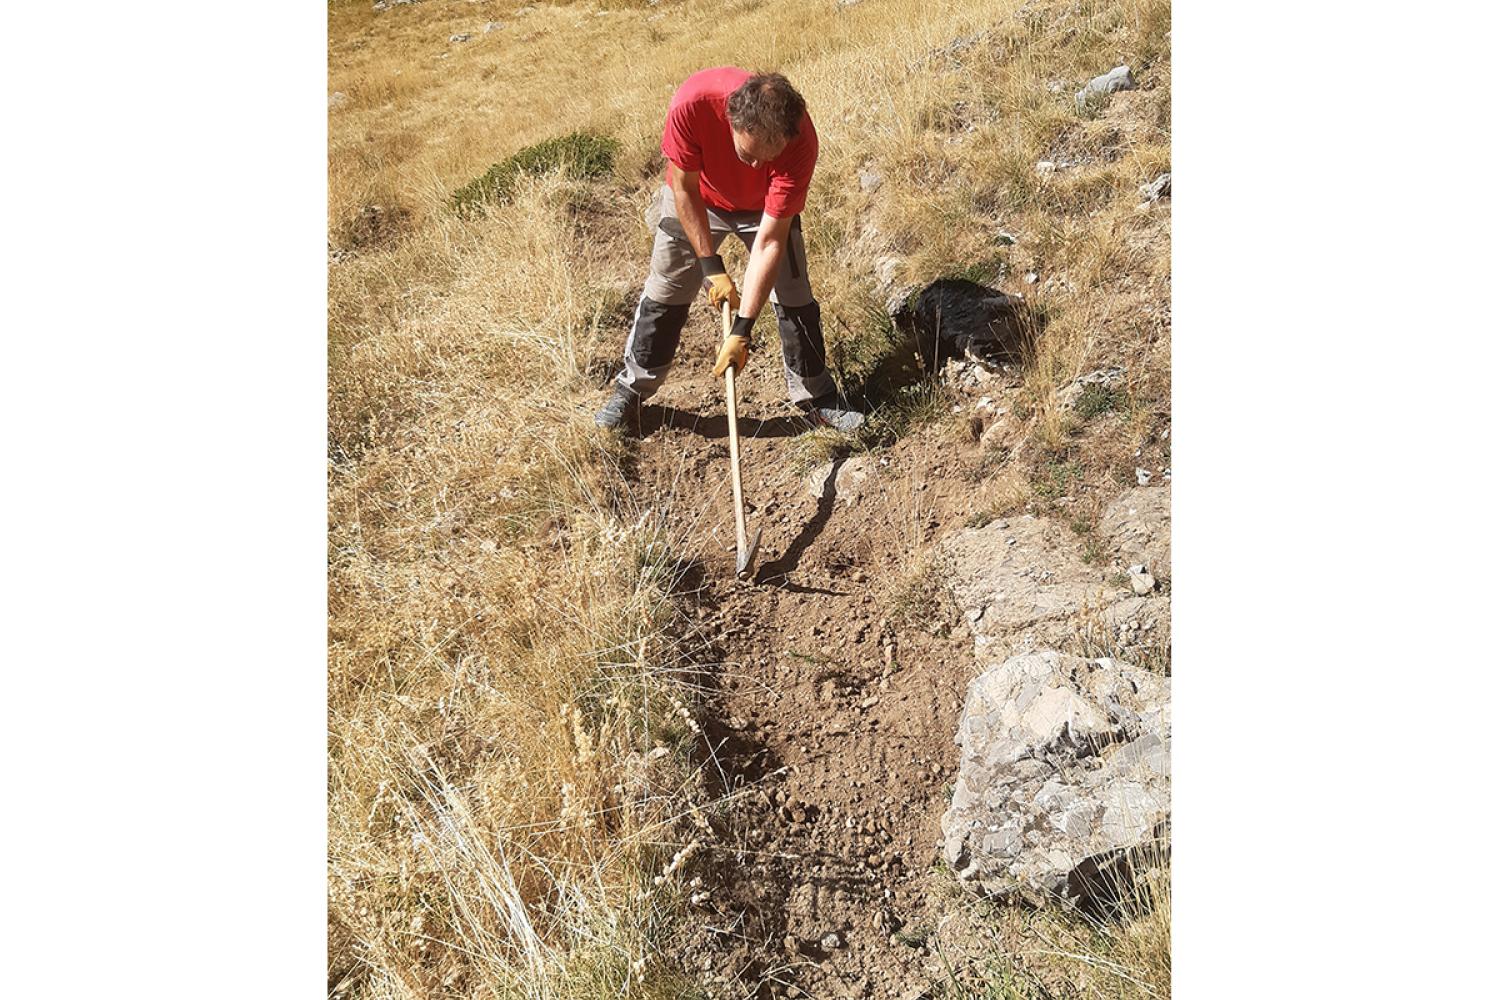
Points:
[(842, 671)]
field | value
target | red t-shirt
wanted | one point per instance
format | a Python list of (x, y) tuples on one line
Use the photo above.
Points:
[(697, 139)]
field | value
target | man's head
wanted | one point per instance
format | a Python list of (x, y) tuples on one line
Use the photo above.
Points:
[(764, 114)]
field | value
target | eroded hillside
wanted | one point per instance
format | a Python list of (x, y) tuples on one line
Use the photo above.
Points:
[(569, 756)]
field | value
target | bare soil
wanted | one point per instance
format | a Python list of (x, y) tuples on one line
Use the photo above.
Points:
[(839, 680)]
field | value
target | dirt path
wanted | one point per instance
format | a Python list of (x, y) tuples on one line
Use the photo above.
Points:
[(833, 710)]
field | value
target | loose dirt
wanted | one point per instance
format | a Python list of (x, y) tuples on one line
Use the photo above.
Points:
[(830, 716)]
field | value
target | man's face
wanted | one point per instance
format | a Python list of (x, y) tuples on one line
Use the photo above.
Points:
[(756, 150)]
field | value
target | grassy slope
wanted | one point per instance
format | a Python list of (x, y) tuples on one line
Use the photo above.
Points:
[(501, 650)]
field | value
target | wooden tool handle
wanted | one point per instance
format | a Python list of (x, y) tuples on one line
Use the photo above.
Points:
[(740, 540)]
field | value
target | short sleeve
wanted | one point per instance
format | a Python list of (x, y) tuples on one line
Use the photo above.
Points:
[(791, 175), (678, 143)]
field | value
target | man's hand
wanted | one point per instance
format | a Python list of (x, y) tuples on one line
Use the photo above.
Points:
[(736, 349), (718, 284)]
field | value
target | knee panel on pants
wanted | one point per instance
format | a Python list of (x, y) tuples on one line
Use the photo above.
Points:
[(801, 329), (658, 329)]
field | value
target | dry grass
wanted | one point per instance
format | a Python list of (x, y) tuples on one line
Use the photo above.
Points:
[(1053, 954), (504, 653)]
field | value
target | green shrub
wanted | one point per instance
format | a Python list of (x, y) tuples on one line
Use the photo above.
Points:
[(1096, 399), (580, 155)]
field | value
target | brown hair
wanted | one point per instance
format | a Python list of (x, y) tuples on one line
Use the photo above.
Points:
[(766, 105)]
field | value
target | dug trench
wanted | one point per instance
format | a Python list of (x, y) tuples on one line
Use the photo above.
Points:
[(831, 685)]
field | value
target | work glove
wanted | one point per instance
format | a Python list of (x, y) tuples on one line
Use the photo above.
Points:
[(736, 349), (718, 284)]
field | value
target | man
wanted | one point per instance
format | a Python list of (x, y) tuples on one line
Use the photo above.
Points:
[(740, 152)]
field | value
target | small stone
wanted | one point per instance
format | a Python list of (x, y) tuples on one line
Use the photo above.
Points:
[(869, 181), (1046, 168), (832, 940), (1100, 87), (1142, 477), (1030, 278), (493, 26), (338, 99), (1141, 582), (1159, 188), (461, 37)]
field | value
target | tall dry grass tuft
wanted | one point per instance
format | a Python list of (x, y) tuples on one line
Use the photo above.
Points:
[(506, 756)]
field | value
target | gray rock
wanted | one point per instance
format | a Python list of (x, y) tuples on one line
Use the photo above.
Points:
[(338, 99), (1141, 581), (1100, 87), (831, 940), (493, 26), (1070, 394), (1064, 777), (1004, 432), (844, 478), (1159, 188), (1138, 527), (461, 37), (1142, 477), (869, 181), (1010, 575)]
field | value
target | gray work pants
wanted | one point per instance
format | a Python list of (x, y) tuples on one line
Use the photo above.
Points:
[(676, 281)]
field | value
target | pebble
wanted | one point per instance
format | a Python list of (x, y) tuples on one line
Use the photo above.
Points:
[(1142, 477)]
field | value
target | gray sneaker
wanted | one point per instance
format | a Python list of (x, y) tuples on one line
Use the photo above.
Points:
[(623, 406), (826, 412)]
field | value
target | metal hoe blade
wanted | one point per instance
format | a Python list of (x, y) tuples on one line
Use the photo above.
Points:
[(744, 561)]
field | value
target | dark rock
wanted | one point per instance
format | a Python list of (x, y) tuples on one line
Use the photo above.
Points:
[(953, 318)]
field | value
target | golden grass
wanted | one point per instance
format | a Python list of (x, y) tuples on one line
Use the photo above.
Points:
[(505, 659)]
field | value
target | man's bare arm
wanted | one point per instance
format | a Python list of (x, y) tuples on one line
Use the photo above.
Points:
[(765, 260), (691, 211), (760, 277)]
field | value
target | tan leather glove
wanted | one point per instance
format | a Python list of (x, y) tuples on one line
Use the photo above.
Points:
[(736, 349), (718, 284)]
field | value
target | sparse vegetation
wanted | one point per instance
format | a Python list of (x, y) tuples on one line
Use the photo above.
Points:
[(1096, 400), (577, 155), (920, 595)]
